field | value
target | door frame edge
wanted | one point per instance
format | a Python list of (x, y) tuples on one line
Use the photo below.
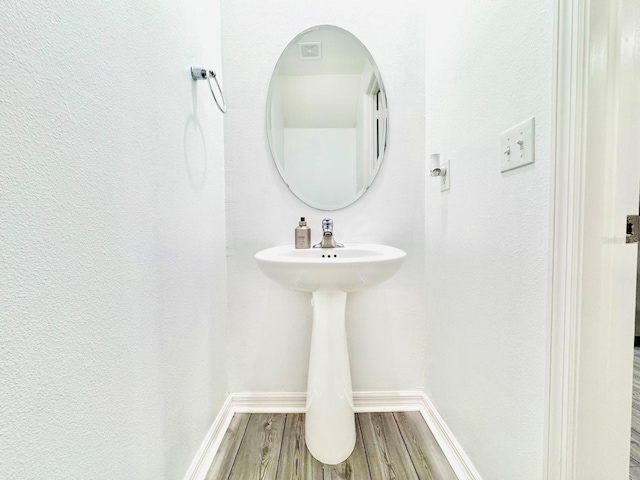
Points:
[(571, 25)]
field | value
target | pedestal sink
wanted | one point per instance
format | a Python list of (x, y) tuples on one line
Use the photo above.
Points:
[(329, 274)]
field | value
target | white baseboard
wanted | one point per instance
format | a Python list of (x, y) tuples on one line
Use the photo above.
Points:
[(288, 402), (458, 459), (268, 402), (212, 440), (364, 402)]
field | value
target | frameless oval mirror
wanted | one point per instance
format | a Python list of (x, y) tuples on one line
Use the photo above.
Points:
[(327, 117)]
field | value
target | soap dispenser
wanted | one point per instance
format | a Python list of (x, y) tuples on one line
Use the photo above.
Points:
[(303, 234)]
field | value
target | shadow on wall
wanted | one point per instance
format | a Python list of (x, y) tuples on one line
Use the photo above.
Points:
[(286, 340), (195, 148), (372, 334)]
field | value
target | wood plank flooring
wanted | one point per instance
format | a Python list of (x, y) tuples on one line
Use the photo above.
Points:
[(389, 446), (634, 463)]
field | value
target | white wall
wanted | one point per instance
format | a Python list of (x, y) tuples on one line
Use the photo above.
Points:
[(488, 67), (112, 229), (269, 325)]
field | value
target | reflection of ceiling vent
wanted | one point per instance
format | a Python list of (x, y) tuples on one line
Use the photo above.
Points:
[(310, 50)]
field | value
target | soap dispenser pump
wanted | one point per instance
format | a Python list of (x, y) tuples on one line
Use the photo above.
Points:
[(303, 234)]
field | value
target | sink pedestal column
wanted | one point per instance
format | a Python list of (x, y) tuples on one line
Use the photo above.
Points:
[(330, 430)]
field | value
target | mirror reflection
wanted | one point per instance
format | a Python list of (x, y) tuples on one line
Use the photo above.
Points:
[(327, 117)]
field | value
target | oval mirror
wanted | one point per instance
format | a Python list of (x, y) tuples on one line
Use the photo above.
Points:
[(327, 117)]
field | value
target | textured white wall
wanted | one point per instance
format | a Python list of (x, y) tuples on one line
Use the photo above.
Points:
[(112, 263), (269, 326), (488, 67)]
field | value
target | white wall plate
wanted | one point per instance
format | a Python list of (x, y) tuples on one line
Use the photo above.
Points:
[(517, 146)]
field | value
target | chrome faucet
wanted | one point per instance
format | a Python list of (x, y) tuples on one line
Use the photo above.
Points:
[(327, 236)]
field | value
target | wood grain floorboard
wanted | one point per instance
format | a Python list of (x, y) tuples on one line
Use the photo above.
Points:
[(636, 374), (388, 447), (387, 455), (296, 463), (636, 389), (355, 467), (226, 455), (635, 445), (635, 415), (259, 451), (427, 456), (634, 461)]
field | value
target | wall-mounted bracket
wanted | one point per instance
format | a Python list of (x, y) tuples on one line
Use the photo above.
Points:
[(440, 170)]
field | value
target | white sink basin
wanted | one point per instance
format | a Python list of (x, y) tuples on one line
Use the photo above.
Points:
[(330, 273), (349, 269)]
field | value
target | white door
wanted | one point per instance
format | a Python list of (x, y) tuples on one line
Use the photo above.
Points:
[(611, 183), (594, 272)]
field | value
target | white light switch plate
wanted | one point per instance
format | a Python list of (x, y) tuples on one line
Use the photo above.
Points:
[(514, 154), (445, 180)]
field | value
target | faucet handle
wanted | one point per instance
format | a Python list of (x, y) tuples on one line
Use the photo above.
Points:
[(328, 240), (327, 225)]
